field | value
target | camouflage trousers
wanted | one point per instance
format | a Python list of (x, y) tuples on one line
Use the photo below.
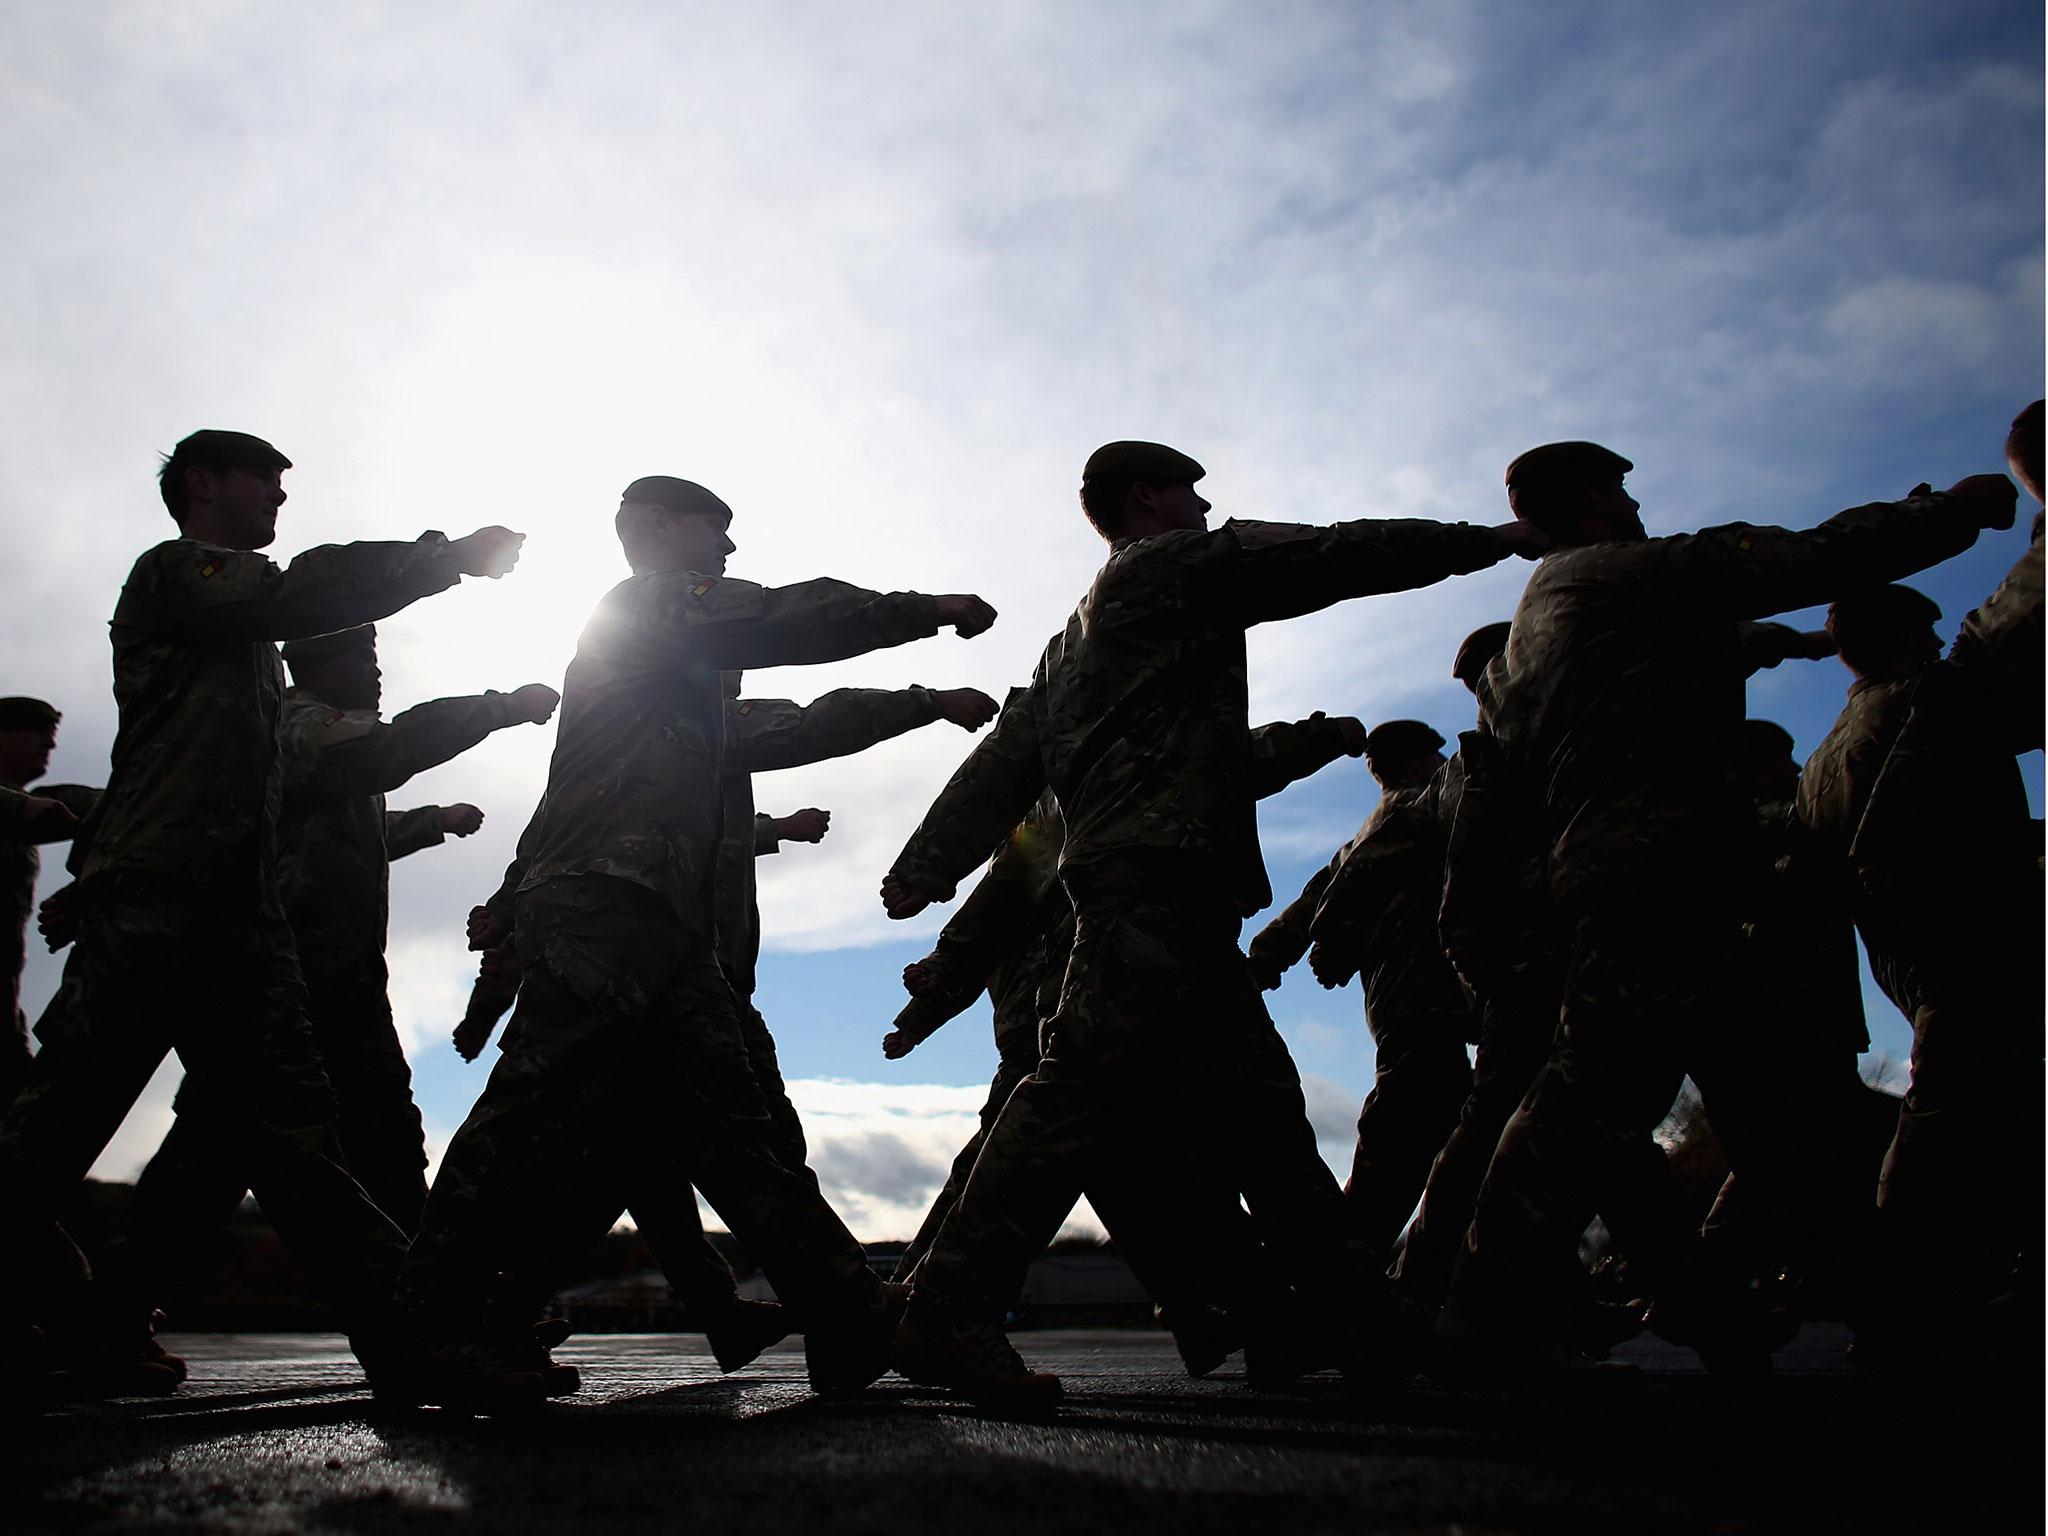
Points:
[(1960, 1194), (1421, 1079), (1175, 1219), (173, 1227), (1634, 1189), (152, 972), (1160, 1026), (624, 1067), (665, 1211), (1640, 988)]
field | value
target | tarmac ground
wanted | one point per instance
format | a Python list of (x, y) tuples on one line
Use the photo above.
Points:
[(275, 1432)]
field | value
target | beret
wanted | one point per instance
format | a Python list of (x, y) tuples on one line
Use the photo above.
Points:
[(1151, 463)]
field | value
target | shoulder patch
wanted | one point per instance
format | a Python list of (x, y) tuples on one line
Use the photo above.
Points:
[(1746, 542), (210, 565), (744, 708), (704, 586)]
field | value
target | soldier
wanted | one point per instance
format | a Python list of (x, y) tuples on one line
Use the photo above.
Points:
[(181, 938), (1962, 971), (1372, 912), (1618, 701), (335, 844), (1135, 718), (28, 735), (1012, 937), (763, 735), (627, 1051)]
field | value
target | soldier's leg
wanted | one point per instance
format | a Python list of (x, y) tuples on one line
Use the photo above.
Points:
[(1421, 1079), (1514, 1042), (381, 1130), (256, 1058), (720, 1129), (1123, 984), (1010, 1071), (1613, 1071), (173, 1230), (786, 1135)]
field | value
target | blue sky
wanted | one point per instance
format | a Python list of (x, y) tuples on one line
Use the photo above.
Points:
[(882, 275)]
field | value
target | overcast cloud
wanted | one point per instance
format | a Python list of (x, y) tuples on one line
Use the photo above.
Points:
[(882, 275)]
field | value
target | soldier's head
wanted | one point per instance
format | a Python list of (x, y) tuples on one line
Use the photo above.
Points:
[(225, 488), (1132, 490), (1403, 753), (666, 524), (2023, 449), (1885, 632), (1574, 493), (339, 669), (28, 735), (1769, 770), (1479, 648)]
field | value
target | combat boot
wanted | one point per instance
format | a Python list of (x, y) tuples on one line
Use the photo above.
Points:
[(476, 1378), (851, 1352), (556, 1380), (972, 1358), (737, 1334), (1204, 1333), (1468, 1352)]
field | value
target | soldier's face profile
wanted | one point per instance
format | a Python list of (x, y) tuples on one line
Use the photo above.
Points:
[(1182, 506), (1609, 503), (25, 753), (246, 502), (701, 541)]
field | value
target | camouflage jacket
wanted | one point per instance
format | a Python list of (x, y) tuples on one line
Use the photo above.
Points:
[(1376, 904), (20, 863), (1835, 787), (1135, 716), (635, 786), (335, 839), (1619, 698), (764, 734), (1799, 942), (196, 780), (2001, 646), (1012, 933)]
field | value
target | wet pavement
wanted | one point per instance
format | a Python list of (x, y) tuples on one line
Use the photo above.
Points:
[(274, 1432)]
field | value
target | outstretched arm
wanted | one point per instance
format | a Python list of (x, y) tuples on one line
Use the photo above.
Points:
[(186, 587), (333, 752), (986, 797), (731, 624), (764, 734), (1288, 750)]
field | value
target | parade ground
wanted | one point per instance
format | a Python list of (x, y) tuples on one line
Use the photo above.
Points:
[(275, 1432)]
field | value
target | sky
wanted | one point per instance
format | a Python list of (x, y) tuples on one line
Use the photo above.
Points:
[(882, 275)]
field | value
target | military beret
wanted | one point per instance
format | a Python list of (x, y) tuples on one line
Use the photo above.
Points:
[(676, 495), (1765, 739), (1151, 463), (317, 648), (25, 714), (1894, 606), (1478, 648), (1555, 462), (1401, 738), (213, 446)]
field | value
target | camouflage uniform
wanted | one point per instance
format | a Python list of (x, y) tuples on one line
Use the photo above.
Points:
[(20, 863), (1801, 1006), (1135, 718), (182, 941), (761, 735), (1920, 809), (1012, 936), (626, 1051), (1619, 700), (335, 844), (1375, 907)]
